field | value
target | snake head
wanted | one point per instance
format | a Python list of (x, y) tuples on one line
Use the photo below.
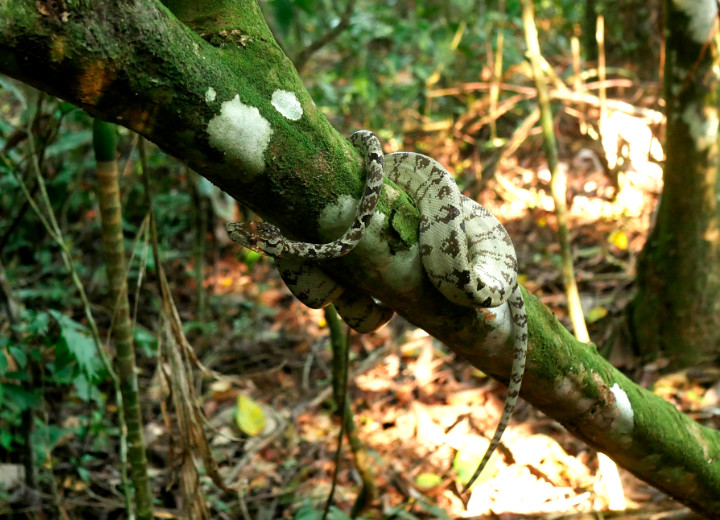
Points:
[(244, 233), (258, 236)]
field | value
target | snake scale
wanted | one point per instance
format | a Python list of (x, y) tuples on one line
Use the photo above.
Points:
[(465, 251)]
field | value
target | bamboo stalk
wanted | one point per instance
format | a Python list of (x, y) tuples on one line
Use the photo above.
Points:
[(577, 80), (602, 95), (122, 328), (558, 180), (497, 76)]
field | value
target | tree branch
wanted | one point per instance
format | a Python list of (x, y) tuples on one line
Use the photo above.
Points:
[(226, 107), (304, 55)]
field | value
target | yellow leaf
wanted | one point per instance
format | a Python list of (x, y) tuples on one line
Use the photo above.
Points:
[(619, 239), (596, 314), (426, 481), (249, 416), (542, 222)]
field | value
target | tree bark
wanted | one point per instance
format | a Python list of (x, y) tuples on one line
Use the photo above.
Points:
[(213, 104), (677, 307)]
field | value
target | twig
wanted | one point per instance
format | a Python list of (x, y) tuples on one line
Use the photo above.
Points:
[(303, 57), (195, 418), (521, 89)]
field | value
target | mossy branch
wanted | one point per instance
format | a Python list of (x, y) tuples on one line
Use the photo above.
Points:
[(227, 102)]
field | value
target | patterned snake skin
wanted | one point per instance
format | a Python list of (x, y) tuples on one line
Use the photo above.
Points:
[(465, 251)]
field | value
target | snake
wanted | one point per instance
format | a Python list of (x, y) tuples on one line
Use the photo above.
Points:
[(465, 251)]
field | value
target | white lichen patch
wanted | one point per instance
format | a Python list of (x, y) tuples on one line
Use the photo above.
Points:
[(702, 17), (287, 104), (402, 269), (703, 125), (568, 392), (626, 416), (210, 95), (241, 133)]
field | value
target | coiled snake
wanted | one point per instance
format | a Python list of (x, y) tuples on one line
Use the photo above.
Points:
[(466, 253)]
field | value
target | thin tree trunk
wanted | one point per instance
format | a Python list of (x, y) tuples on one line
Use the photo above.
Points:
[(363, 459)]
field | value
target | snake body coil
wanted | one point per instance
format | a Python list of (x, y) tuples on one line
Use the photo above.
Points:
[(465, 251)]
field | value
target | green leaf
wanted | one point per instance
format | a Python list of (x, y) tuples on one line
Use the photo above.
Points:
[(79, 344), (20, 398), (38, 323), (3, 363), (306, 5), (86, 390), (83, 473), (146, 341), (82, 347), (46, 437), (5, 439), (249, 416), (251, 258), (361, 85), (309, 512), (19, 355)]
